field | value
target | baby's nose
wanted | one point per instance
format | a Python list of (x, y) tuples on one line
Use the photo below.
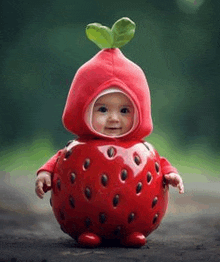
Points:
[(113, 117)]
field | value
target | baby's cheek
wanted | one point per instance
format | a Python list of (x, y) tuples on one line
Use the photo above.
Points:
[(98, 127), (128, 123), (98, 123)]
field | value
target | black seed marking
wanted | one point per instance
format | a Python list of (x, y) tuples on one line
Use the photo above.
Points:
[(139, 187), (59, 184), (111, 152), (117, 231), (155, 218), (131, 217), (137, 160), (157, 167), (50, 201), (69, 142), (63, 229), (149, 177), (88, 222), (71, 202), (68, 154), (86, 163), (104, 180), (72, 177), (62, 217), (154, 202), (115, 200), (164, 183), (102, 218), (88, 193), (147, 147), (124, 174)]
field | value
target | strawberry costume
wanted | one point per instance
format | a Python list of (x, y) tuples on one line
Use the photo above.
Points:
[(108, 187)]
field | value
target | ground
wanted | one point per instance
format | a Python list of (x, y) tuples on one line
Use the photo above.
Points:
[(190, 230)]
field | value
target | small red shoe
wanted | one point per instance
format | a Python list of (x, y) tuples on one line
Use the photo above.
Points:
[(89, 240), (135, 239)]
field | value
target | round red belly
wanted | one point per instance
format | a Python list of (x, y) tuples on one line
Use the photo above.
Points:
[(108, 188)]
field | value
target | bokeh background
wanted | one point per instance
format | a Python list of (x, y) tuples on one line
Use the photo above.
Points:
[(177, 44), (43, 43)]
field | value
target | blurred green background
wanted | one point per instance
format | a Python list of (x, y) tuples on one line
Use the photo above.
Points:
[(177, 44)]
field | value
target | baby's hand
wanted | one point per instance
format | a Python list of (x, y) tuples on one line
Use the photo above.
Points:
[(43, 183), (175, 180)]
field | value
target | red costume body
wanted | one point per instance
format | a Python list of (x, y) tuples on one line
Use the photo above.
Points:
[(102, 186)]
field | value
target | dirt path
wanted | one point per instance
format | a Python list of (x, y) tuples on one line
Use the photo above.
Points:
[(189, 232)]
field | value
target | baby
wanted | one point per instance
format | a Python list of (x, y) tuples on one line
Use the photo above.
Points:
[(113, 114), (109, 183)]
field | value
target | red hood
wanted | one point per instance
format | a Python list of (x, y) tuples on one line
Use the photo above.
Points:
[(108, 68)]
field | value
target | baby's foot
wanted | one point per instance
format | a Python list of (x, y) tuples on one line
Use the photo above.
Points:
[(135, 239), (89, 240), (175, 180)]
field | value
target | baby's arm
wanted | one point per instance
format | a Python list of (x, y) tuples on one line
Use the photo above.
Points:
[(43, 183), (171, 175), (175, 180)]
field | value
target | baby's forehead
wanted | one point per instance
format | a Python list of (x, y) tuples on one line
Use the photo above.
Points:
[(114, 98)]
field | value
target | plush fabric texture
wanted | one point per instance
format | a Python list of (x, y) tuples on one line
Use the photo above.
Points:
[(108, 68)]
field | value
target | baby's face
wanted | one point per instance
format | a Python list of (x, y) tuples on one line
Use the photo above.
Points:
[(113, 114)]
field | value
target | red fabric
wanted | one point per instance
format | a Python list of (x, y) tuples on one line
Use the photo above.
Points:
[(50, 164), (108, 68), (167, 167)]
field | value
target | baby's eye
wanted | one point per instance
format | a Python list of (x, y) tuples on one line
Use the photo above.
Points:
[(125, 110), (102, 109)]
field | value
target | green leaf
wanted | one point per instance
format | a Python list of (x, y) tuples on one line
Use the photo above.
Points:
[(100, 35), (120, 34), (123, 31)]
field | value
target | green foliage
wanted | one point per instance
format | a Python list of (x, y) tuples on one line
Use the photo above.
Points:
[(43, 44), (123, 31), (120, 34), (196, 165), (100, 35), (27, 157)]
